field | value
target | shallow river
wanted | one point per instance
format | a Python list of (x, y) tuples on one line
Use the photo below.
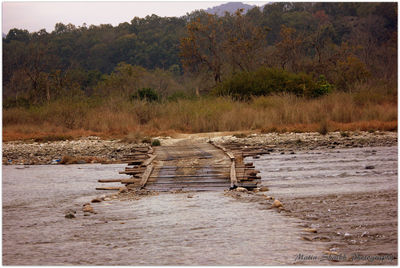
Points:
[(321, 172), (207, 229), (172, 229)]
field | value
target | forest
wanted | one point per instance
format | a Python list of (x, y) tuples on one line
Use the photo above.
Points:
[(286, 67)]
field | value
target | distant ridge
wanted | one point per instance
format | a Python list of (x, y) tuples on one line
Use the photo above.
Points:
[(230, 7)]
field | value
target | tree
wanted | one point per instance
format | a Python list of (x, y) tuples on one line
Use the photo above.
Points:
[(221, 45), (289, 49), (202, 49)]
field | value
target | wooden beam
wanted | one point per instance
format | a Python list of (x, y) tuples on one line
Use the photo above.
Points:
[(109, 180), (108, 188), (233, 175), (146, 175), (148, 161)]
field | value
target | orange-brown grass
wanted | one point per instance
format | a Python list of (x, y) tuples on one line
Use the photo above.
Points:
[(136, 120)]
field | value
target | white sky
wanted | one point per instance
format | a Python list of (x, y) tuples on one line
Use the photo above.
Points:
[(34, 16)]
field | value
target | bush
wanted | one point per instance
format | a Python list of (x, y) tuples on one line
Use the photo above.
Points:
[(323, 87), (266, 81), (147, 94), (178, 96), (155, 142)]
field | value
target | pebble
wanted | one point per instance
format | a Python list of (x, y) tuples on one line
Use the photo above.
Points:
[(241, 189), (264, 189), (70, 215), (88, 208), (277, 204), (306, 238), (347, 235)]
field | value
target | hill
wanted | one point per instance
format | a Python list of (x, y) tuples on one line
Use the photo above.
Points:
[(230, 7)]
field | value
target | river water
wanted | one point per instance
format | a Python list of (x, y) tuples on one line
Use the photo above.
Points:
[(329, 171), (166, 229), (172, 229)]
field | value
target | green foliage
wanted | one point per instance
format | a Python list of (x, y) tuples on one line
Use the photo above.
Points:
[(155, 142), (351, 44), (147, 94), (266, 81), (323, 87), (178, 95)]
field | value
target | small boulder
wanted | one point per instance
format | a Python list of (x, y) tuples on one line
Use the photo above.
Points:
[(96, 200), (277, 204), (369, 167), (107, 199), (264, 189), (88, 208), (241, 189), (70, 215), (189, 196)]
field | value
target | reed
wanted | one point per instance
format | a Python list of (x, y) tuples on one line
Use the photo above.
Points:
[(364, 110)]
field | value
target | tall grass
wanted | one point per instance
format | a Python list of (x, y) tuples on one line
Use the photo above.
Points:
[(119, 117)]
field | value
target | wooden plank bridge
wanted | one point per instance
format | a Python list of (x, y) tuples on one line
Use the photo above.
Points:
[(188, 166)]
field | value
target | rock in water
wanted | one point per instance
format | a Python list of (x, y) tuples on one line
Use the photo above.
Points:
[(70, 215), (369, 167), (277, 204), (96, 200), (264, 189), (241, 189), (88, 208)]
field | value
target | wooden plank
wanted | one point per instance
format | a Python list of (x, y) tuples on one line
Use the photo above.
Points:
[(148, 161), (233, 175), (226, 182), (131, 181), (146, 175), (132, 163), (192, 176), (108, 188), (129, 173), (109, 180)]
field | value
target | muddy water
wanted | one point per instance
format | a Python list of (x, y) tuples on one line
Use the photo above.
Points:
[(329, 171), (208, 228), (348, 195)]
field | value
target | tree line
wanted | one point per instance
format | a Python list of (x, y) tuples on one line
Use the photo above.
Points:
[(316, 47)]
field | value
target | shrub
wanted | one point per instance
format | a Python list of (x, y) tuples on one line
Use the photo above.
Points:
[(178, 95), (147, 94), (323, 87), (266, 81), (155, 142), (323, 127)]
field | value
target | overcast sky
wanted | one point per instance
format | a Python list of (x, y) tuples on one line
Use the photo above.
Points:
[(34, 16)]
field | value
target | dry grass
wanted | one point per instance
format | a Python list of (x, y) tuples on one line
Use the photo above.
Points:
[(364, 110)]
